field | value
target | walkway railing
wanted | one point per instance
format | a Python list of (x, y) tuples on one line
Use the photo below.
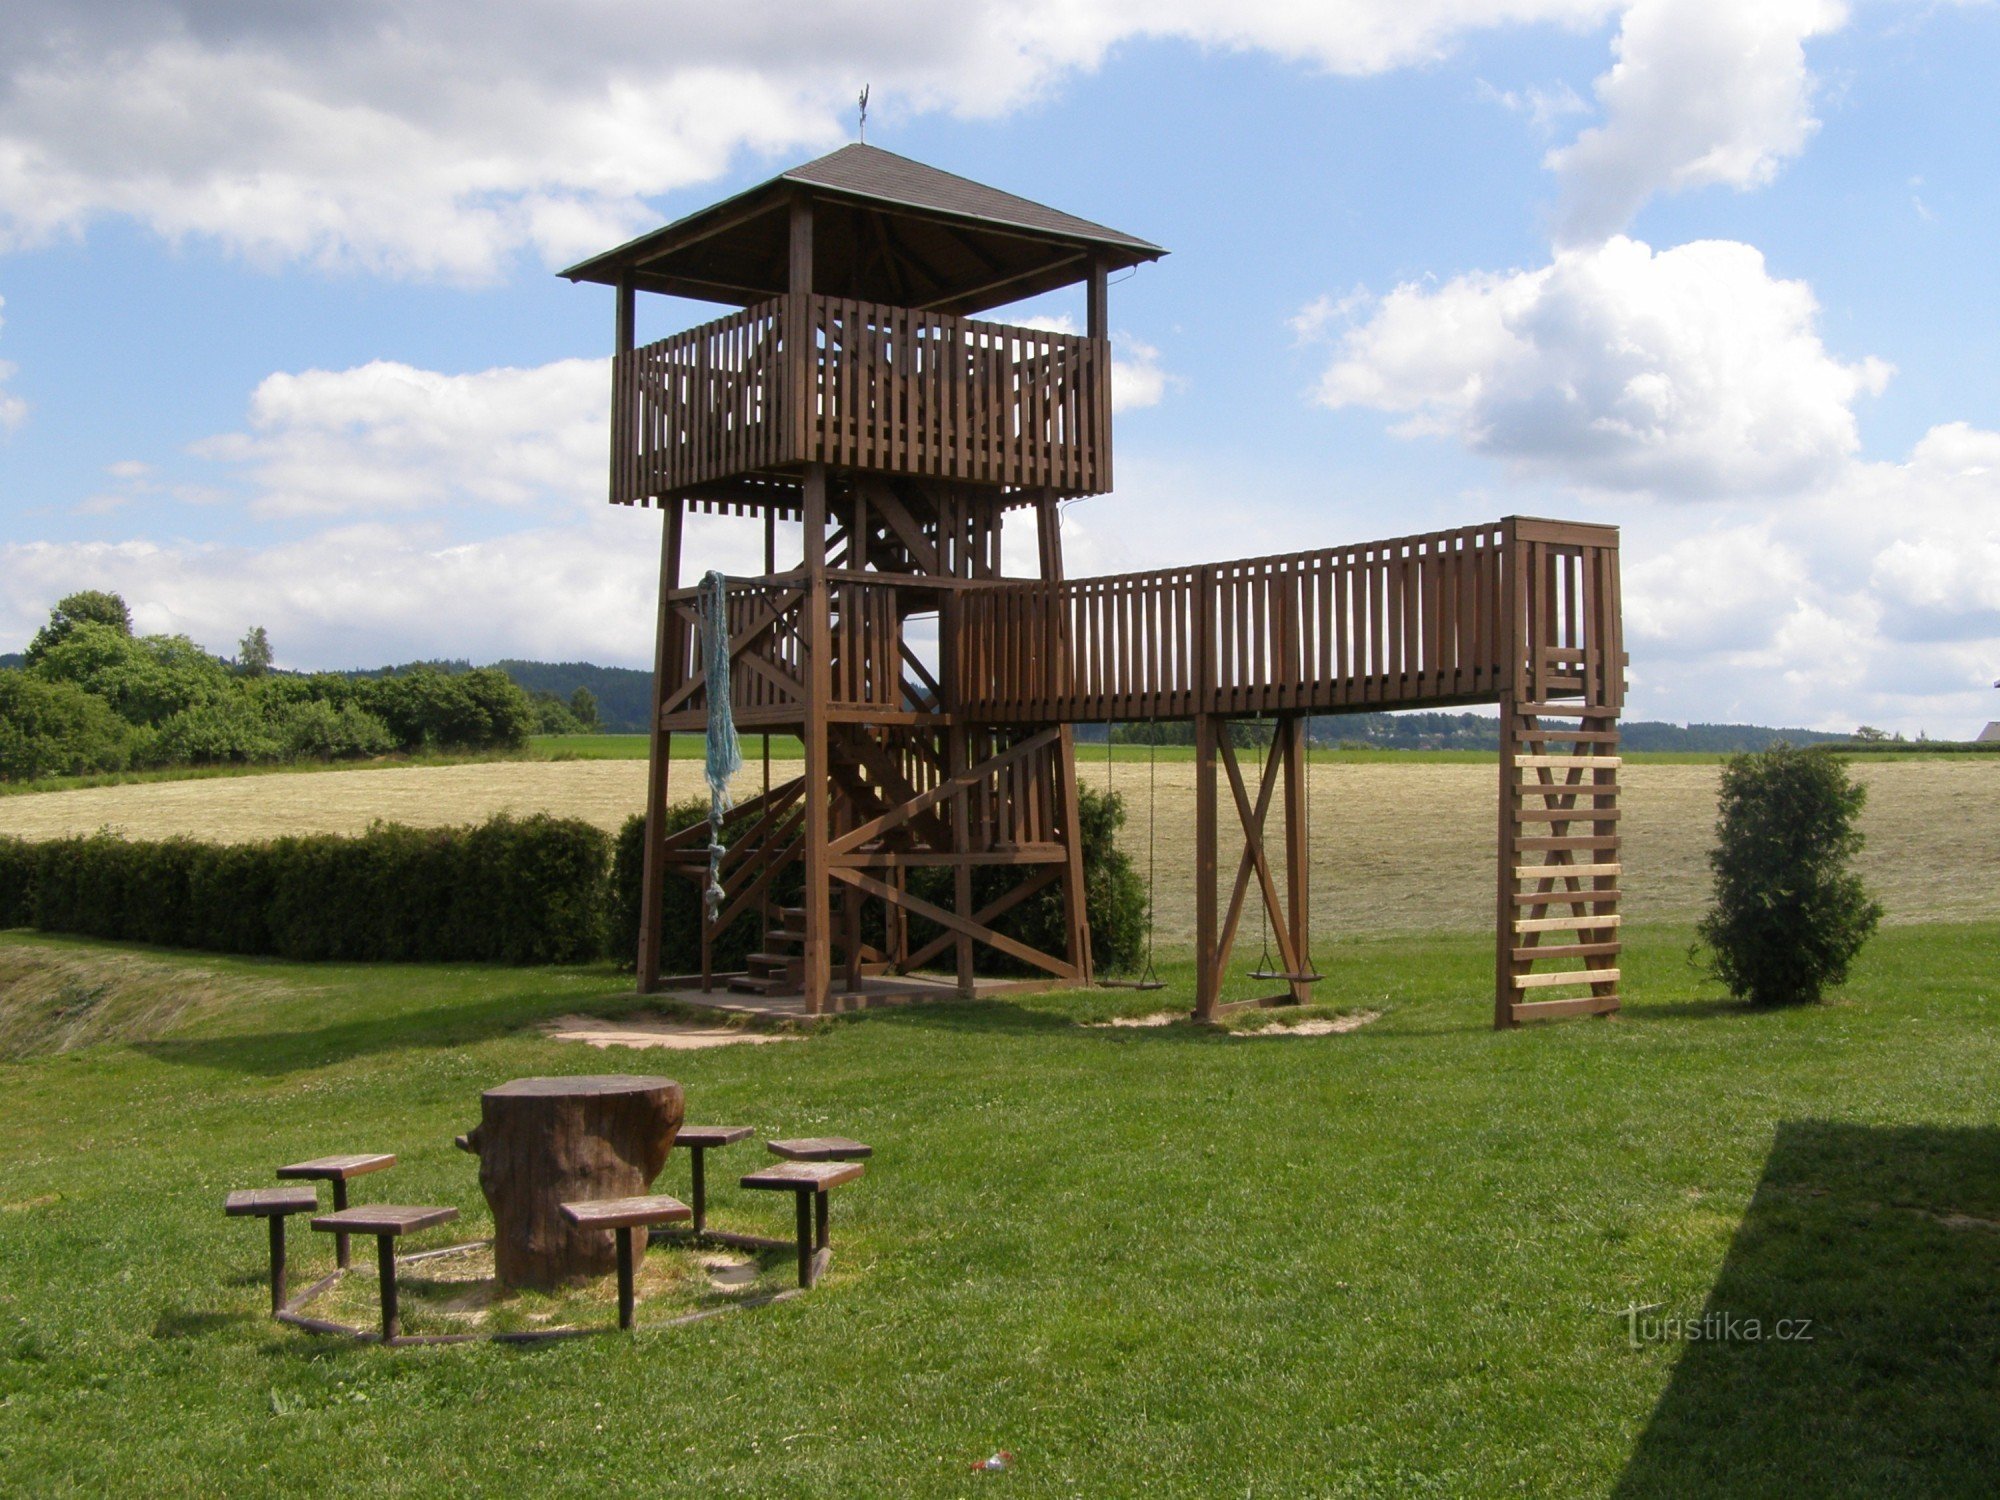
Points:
[(1444, 618)]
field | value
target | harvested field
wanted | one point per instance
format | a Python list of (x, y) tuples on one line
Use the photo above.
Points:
[(1401, 846)]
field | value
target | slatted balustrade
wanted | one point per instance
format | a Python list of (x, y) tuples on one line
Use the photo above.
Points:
[(860, 385), (866, 665), (1416, 621)]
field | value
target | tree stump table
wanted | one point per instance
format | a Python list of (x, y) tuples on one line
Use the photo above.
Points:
[(543, 1142)]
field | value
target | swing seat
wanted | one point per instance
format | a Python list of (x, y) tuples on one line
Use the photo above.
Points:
[(1293, 978), (1133, 984)]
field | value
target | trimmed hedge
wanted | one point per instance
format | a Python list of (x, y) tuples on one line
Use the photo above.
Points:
[(511, 890), (518, 891)]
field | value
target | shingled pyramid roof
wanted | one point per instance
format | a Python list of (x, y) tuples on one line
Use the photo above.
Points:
[(887, 229)]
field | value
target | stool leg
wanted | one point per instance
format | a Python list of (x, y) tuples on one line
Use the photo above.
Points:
[(624, 1237), (385, 1264), (805, 1238), (277, 1223), (340, 1240), (819, 1220), (700, 1192)]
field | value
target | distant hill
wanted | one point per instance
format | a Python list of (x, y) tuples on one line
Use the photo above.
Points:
[(11, 659), (1441, 731), (624, 694)]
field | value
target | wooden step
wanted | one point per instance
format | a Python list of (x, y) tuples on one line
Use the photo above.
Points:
[(772, 963), (1555, 1010), (774, 984), (1566, 976), (1563, 924)]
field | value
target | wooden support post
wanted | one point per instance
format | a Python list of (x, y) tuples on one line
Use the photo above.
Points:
[(1509, 858), (1207, 957), (803, 386), (624, 1240), (805, 1232), (1298, 877), (385, 1270), (1512, 643), (818, 954), (699, 1186), (659, 756), (340, 1245), (1076, 914), (957, 759), (277, 1223)]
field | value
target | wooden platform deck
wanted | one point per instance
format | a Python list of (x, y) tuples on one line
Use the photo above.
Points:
[(889, 989)]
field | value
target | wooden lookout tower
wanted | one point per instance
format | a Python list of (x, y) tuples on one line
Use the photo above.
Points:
[(855, 392)]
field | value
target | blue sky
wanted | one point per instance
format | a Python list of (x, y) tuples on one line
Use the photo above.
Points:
[(280, 343)]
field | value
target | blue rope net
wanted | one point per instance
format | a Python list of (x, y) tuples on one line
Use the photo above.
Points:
[(725, 751)]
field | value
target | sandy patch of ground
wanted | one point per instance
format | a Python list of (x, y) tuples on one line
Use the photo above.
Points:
[(1316, 1026), (655, 1031), (1157, 1018)]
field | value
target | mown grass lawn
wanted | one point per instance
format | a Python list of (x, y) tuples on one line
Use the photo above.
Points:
[(1146, 1261)]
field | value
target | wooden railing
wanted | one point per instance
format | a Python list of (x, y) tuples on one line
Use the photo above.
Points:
[(1416, 621), (705, 403), (864, 386), (866, 668)]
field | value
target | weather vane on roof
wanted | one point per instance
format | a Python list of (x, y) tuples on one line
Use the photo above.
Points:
[(864, 114)]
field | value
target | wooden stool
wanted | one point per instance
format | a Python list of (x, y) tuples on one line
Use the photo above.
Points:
[(619, 1215), (337, 1169), (700, 1139), (821, 1148), (274, 1205), (386, 1221), (809, 1182)]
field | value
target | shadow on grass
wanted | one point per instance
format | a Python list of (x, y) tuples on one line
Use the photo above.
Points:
[(1888, 1241), (1716, 1007), (270, 1053), (186, 1323)]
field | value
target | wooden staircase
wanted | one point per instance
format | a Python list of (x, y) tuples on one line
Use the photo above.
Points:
[(780, 969)]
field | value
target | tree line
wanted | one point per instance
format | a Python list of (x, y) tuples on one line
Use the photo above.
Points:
[(90, 696)]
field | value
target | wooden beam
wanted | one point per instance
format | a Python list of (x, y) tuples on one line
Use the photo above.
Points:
[(818, 949), (964, 925), (1298, 853), (951, 786), (1208, 971), (991, 912)]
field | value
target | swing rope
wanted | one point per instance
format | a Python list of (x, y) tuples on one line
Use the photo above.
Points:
[(725, 751)]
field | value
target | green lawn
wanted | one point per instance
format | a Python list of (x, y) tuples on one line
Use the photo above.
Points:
[(1146, 1261)]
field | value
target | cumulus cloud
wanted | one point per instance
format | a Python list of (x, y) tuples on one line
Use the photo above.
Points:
[(389, 437), (1702, 92), (440, 137), (371, 594), (1874, 597), (1690, 372), (1138, 378)]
